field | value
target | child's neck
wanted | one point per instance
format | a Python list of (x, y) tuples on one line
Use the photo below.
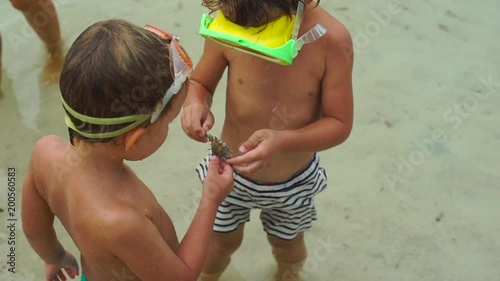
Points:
[(107, 157)]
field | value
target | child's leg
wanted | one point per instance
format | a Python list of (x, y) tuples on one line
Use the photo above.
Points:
[(42, 17), (290, 256), (222, 246)]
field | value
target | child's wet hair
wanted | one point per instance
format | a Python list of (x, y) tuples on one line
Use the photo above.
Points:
[(252, 13), (114, 69)]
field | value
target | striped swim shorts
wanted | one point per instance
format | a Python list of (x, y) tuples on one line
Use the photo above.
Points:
[(287, 208)]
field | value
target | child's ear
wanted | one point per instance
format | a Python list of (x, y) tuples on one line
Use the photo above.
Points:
[(132, 137)]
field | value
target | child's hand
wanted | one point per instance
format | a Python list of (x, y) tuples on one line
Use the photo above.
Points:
[(68, 263), (218, 183), (258, 151), (196, 120)]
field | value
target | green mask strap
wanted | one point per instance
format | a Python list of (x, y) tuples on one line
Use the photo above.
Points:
[(135, 121)]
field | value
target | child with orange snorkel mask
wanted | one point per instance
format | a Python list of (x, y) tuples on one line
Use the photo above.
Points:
[(288, 96), (121, 87)]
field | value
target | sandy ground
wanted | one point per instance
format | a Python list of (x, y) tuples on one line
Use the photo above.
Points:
[(414, 193)]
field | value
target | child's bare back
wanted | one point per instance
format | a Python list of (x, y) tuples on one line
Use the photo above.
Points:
[(96, 205), (120, 229)]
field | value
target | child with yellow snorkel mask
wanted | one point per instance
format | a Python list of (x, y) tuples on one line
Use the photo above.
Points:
[(288, 96)]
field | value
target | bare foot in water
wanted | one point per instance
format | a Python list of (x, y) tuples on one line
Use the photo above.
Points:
[(287, 276), (55, 60), (52, 69)]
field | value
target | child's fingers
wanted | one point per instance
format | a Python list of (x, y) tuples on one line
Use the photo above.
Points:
[(250, 167), (199, 131), (221, 163), (71, 272), (238, 160), (208, 123), (61, 275), (195, 123), (54, 276), (245, 159), (227, 169), (251, 143), (213, 166), (191, 124)]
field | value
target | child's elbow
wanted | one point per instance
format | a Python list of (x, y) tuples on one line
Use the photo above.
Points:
[(342, 132), (345, 132)]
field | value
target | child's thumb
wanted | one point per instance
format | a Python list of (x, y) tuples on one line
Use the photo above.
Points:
[(213, 165), (209, 122), (227, 169)]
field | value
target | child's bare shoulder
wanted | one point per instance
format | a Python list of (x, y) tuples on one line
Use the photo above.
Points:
[(337, 33), (337, 41), (52, 160), (49, 148)]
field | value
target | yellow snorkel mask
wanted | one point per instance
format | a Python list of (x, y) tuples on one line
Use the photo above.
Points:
[(277, 42)]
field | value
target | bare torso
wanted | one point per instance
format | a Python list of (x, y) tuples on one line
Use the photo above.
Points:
[(263, 95), (82, 196)]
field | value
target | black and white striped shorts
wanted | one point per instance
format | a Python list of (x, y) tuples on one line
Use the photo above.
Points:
[(287, 208)]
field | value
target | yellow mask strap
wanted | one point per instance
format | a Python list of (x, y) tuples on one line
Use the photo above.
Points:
[(135, 121)]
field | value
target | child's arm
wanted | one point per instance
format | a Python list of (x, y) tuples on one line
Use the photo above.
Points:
[(206, 75), (336, 99), (197, 118), (37, 221), (216, 186), (136, 241)]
